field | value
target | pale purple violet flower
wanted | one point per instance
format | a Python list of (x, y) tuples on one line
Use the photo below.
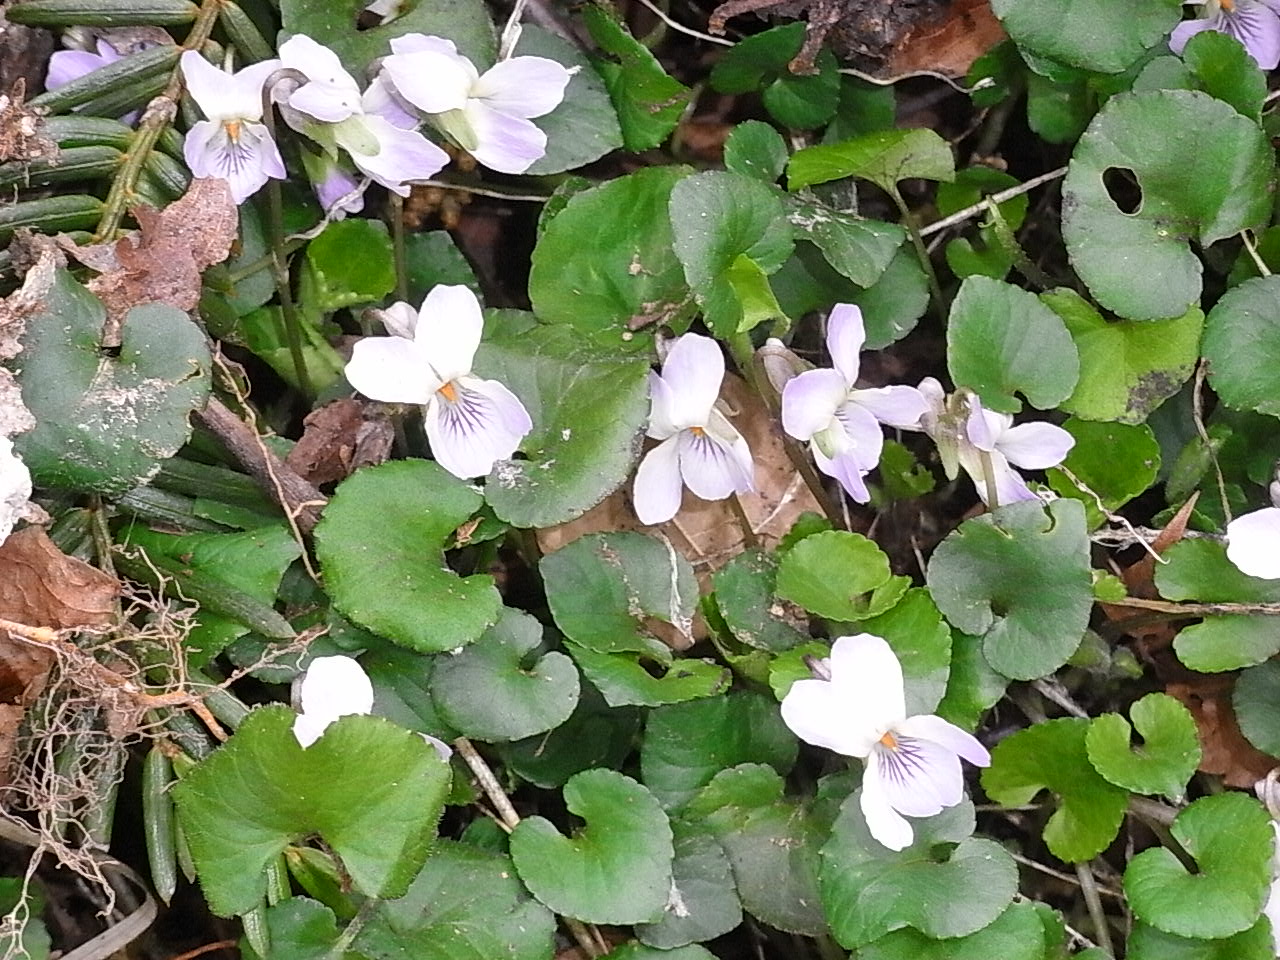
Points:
[(68, 65), (233, 143), (980, 440), (15, 488), (841, 424), (337, 188), (331, 687), (471, 423), (1253, 540), (330, 109), (489, 115), (1255, 23), (700, 448), (857, 708)]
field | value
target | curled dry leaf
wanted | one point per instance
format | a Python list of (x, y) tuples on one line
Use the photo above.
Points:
[(1224, 749), (339, 438), (40, 586), (162, 261), (949, 42)]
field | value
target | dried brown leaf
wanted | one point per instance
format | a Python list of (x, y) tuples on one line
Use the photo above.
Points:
[(339, 438), (950, 42), (1225, 751), (40, 586), (161, 262)]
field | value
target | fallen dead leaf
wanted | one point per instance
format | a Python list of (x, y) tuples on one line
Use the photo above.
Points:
[(162, 261), (339, 438), (1225, 751), (950, 42)]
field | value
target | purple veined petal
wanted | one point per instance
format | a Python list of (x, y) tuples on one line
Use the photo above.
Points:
[(1035, 445), (927, 726), (709, 467), (199, 149), (335, 687), (245, 162), (523, 86), (403, 157), (330, 93), (845, 337), (810, 402), (693, 371), (885, 824), (846, 470), (817, 713), (866, 672), (918, 777), (432, 81), (68, 65), (1187, 29), (719, 428), (1253, 543), (400, 319), (449, 328), (380, 99), (656, 492), (392, 370), (1257, 27), (422, 43), (662, 411), (898, 406), (504, 143), (469, 426)]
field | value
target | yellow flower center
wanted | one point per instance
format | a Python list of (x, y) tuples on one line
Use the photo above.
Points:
[(449, 392), (889, 741)]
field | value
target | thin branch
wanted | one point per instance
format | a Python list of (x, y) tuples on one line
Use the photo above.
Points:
[(1253, 252), (1199, 609), (960, 216), (1089, 887), (484, 191)]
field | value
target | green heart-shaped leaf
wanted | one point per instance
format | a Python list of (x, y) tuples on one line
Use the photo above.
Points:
[(624, 680), (616, 870), (869, 890), (1001, 339), (485, 691), (704, 902), (588, 407), (1052, 756), (372, 790), (1148, 943), (1018, 577), (1242, 345), (883, 157), (466, 904), (103, 423), (1230, 837), (376, 541), (1017, 934), (744, 595), (1090, 34), (840, 576), (1170, 751)]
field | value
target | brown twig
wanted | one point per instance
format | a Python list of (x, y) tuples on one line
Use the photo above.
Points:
[(207, 948)]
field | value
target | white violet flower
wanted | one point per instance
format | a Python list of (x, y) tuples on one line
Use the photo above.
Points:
[(985, 443), (1253, 540), (700, 448), (15, 488), (471, 423), (330, 109), (233, 143), (331, 687), (487, 114), (858, 709), (840, 423)]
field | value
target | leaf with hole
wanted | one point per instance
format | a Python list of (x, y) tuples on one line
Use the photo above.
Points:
[(615, 870), (1138, 263), (376, 543)]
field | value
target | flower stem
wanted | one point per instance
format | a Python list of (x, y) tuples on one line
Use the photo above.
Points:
[(397, 247), (352, 929), (280, 270), (159, 114), (917, 241), (1089, 887)]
